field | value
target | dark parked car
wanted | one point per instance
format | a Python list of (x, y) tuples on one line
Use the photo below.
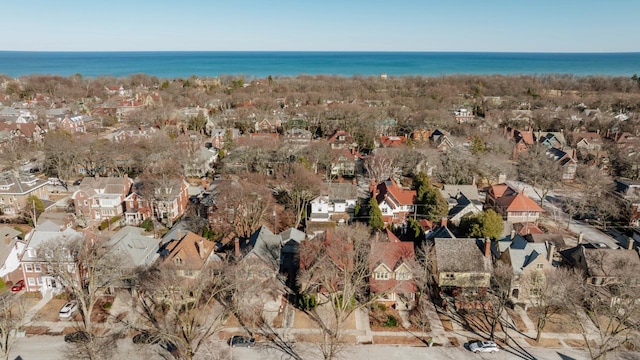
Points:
[(242, 341), (78, 337), (18, 286)]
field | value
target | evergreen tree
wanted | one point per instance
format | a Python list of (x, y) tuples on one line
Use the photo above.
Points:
[(431, 203), (487, 224), (375, 215)]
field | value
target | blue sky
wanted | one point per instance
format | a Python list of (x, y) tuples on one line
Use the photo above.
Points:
[(325, 25)]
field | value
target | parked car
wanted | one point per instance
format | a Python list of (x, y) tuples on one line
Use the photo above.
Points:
[(78, 337), (483, 346), (242, 341), (18, 286), (68, 310)]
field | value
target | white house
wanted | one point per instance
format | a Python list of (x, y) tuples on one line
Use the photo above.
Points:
[(10, 247), (337, 205)]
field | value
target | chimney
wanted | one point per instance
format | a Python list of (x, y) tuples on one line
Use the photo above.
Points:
[(513, 234), (630, 243), (201, 248), (487, 247), (580, 238), (179, 234), (7, 239), (551, 252), (443, 222), (236, 245)]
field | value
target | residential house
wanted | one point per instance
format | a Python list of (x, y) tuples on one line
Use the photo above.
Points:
[(392, 281), (526, 260), (395, 202), (168, 202), (330, 253), (462, 268), (589, 141), (628, 191), (266, 126), (15, 188), (463, 115), (565, 158), (72, 124), (135, 249), (342, 140), (514, 206), (297, 137), (605, 266), (189, 255), (523, 139), (345, 162), (101, 198), (462, 200), (551, 139), (392, 141), (34, 265), (11, 246), (440, 140), (220, 136), (201, 162), (421, 135), (337, 205), (29, 132)]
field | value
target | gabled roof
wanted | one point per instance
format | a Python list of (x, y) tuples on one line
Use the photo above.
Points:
[(389, 189), (392, 255), (267, 246), (441, 232), (191, 252), (521, 252)]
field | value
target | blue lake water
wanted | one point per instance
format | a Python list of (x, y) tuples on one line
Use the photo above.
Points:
[(262, 64)]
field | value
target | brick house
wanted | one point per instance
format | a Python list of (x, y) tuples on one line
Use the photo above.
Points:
[(101, 198), (514, 206), (15, 188), (391, 275), (395, 202)]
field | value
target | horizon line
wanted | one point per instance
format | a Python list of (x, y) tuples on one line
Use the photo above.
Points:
[(322, 51)]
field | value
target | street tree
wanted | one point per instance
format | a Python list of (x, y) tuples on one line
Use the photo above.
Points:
[(499, 295), (181, 313), (539, 170), (86, 269), (546, 295), (296, 189), (334, 269), (12, 320)]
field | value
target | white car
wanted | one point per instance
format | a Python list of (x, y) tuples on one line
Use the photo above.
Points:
[(483, 346), (68, 310)]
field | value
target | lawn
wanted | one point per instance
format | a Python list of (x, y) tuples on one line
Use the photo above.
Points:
[(545, 342), (558, 323)]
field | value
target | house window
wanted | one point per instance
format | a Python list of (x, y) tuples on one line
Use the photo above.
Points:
[(449, 276), (31, 281), (382, 275), (178, 261), (403, 275), (28, 267), (539, 266), (188, 273), (86, 203), (39, 280), (38, 267)]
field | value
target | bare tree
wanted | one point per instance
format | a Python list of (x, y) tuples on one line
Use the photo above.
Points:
[(86, 270), (297, 188), (12, 316), (181, 313), (335, 268), (539, 170), (545, 295), (499, 295), (381, 164), (604, 306), (243, 204)]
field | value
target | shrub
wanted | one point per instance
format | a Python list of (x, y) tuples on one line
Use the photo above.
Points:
[(391, 321), (105, 224), (147, 225), (307, 302), (107, 305)]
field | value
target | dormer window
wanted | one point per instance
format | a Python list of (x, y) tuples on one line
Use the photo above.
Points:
[(403, 275), (381, 275), (177, 260)]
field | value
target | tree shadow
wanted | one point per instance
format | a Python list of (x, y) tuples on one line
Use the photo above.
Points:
[(565, 357)]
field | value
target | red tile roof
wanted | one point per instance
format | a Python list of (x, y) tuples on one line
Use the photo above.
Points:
[(518, 202), (391, 189)]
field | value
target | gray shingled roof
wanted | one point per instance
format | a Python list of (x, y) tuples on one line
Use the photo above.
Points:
[(461, 256)]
